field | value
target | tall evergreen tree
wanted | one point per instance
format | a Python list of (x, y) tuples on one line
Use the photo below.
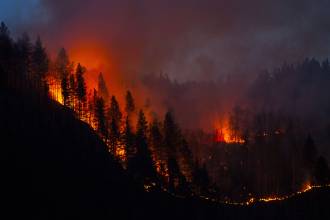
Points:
[(129, 142), (114, 122), (80, 89), (102, 88), (63, 68), (143, 161), (6, 47), (40, 63), (157, 146), (72, 92), (100, 117), (185, 159), (178, 153), (130, 105), (171, 134), (24, 53)]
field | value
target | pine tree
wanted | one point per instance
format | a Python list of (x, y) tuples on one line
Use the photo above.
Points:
[(114, 121), (178, 153), (100, 117), (171, 137), (171, 134), (80, 89), (65, 90), (90, 108), (39, 63), (129, 143), (143, 162), (24, 53), (185, 159), (102, 88), (130, 105), (64, 68), (173, 173), (236, 123), (157, 146), (72, 92), (6, 47)]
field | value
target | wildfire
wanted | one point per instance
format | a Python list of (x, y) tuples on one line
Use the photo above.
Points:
[(252, 200), (55, 89), (223, 134), (307, 187)]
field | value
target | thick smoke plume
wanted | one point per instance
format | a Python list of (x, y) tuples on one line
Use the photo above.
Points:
[(190, 40)]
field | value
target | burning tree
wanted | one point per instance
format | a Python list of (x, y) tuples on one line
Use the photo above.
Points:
[(81, 90)]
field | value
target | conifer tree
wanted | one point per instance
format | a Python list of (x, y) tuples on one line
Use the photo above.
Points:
[(171, 134), (114, 122), (39, 64), (102, 88), (129, 143), (100, 117), (130, 105), (63, 69), (80, 89), (143, 162), (157, 146), (24, 53), (72, 92), (6, 48)]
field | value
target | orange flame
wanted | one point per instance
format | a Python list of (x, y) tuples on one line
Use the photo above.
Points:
[(54, 89), (223, 134)]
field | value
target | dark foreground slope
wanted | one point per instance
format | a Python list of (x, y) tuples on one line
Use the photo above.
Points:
[(55, 167)]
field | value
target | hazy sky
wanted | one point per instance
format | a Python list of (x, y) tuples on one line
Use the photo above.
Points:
[(188, 39)]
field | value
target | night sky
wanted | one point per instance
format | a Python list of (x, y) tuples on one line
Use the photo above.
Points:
[(188, 39)]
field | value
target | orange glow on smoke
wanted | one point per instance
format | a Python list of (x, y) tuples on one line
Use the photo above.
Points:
[(91, 55), (94, 57)]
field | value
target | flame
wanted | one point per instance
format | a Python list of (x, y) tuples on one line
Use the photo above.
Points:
[(220, 136), (54, 89), (306, 187), (223, 134)]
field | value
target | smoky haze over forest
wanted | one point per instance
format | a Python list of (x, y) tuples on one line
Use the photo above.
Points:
[(191, 40), (227, 103)]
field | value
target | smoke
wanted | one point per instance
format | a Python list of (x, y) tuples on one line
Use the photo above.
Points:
[(189, 40), (21, 13)]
